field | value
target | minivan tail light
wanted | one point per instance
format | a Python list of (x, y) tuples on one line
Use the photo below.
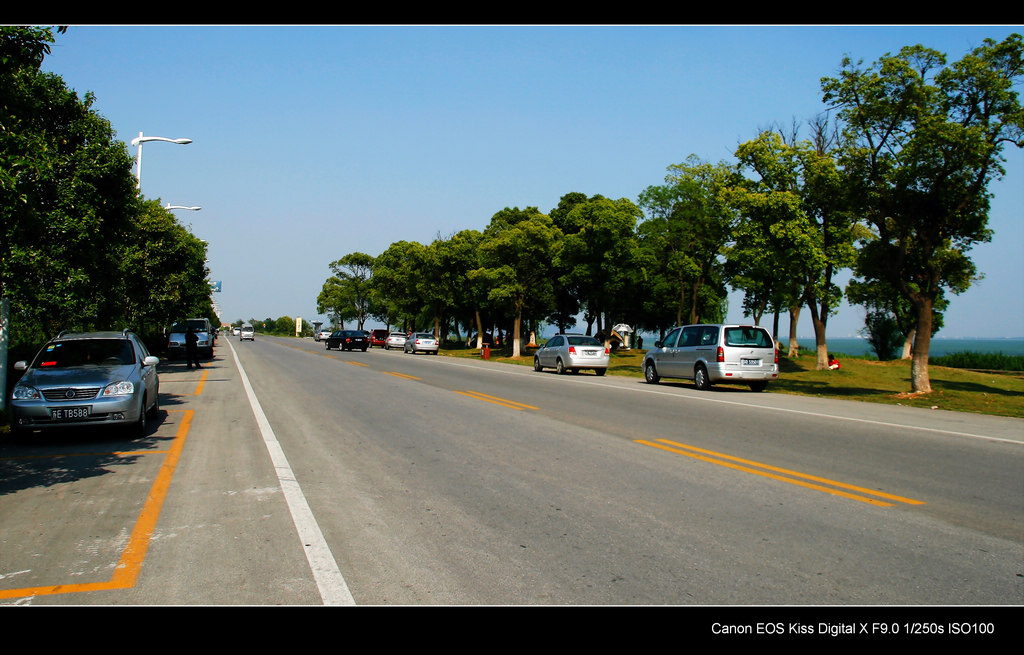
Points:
[(721, 355)]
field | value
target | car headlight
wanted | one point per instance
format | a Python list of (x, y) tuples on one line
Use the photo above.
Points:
[(21, 392), (122, 388)]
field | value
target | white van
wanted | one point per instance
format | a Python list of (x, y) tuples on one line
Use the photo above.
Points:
[(714, 354), (247, 333)]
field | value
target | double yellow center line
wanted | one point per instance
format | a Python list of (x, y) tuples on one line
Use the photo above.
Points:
[(825, 485), (498, 401)]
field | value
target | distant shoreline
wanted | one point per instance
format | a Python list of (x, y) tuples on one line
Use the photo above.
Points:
[(939, 346)]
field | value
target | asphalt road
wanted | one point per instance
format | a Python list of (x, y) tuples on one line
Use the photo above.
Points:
[(287, 474)]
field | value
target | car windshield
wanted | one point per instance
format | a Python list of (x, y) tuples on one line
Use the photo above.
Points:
[(86, 352)]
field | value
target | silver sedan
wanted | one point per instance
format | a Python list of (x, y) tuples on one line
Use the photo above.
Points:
[(394, 340), (99, 379), (572, 353), (421, 342)]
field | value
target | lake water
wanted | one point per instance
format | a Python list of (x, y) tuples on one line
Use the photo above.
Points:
[(939, 347)]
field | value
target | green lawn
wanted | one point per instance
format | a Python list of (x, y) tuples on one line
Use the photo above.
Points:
[(1001, 394)]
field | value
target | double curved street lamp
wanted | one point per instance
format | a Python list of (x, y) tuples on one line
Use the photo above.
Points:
[(138, 141)]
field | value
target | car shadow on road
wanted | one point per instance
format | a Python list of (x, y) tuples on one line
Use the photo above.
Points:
[(45, 459)]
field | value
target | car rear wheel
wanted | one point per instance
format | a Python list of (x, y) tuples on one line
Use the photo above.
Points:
[(758, 386), (600, 371), (700, 378), (536, 364), (560, 367)]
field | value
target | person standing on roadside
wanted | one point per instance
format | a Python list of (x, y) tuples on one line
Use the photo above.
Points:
[(191, 350)]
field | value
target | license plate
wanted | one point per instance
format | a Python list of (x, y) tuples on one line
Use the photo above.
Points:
[(750, 362), (590, 353), (69, 413)]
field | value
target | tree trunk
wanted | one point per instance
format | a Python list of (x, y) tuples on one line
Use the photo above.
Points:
[(820, 347), (479, 330), (694, 316), (794, 316), (515, 333), (908, 345), (682, 302), (919, 379)]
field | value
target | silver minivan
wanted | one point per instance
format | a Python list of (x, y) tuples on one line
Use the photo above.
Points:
[(714, 354)]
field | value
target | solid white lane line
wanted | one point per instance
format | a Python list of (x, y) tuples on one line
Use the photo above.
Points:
[(331, 584)]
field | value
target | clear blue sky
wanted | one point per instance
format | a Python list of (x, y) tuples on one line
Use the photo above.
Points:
[(312, 142)]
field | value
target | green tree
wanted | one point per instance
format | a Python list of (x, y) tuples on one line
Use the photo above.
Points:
[(454, 295), (923, 142), (163, 271), (67, 196), (516, 255), (688, 224), (347, 295), (796, 232), (396, 273), (595, 257)]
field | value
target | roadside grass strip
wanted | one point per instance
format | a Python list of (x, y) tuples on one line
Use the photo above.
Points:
[(126, 572), (784, 475), (497, 401)]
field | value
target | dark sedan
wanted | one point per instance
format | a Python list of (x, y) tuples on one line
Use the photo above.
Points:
[(348, 340)]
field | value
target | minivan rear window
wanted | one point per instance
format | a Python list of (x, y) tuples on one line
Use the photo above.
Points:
[(750, 337)]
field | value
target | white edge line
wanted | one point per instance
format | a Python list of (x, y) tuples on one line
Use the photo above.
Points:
[(329, 580)]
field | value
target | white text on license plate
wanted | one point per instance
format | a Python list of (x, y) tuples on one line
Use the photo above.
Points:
[(750, 362), (69, 413)]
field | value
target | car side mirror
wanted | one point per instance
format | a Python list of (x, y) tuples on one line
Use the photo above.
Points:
[(151, 361), (21, 365), (659, 344)]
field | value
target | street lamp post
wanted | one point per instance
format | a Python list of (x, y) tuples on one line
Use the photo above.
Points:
[(138, 141)]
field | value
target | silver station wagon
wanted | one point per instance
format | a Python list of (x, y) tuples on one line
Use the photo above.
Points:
[(714, 354)]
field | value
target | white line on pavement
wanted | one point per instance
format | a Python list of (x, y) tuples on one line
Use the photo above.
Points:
[(330, 582)]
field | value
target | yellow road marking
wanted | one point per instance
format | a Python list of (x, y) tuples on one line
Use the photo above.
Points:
[(130, 563), (726, 460), (202, 382), (498, 401), (356, 363), (402, 375)]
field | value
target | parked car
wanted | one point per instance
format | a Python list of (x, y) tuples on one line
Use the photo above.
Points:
[(92, 378), (395, 340), (714, 354), (322, 335), (378, 338), (420, 341), (176, 340), (247, 333), (348, 340), (572, 353)]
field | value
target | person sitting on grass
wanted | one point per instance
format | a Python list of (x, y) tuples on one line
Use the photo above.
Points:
[(833, 363)]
